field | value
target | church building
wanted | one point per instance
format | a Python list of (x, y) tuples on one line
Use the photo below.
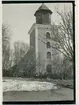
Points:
[(40, 57)]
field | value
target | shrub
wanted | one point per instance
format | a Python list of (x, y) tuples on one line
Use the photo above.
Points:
[(7, 73)]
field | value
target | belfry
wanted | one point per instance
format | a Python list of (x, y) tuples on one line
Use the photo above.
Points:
[(43, 15)]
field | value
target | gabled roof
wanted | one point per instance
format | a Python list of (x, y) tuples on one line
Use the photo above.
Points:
[(43, 7)]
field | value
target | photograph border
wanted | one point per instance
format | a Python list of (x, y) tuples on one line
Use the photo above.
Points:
[(74, 71)]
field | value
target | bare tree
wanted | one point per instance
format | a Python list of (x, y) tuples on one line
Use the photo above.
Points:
[(20, 49), (11, 59), (5, 46), (63, 35), (63, 69)]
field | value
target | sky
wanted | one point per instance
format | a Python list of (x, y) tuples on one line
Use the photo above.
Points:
[(20, 17)]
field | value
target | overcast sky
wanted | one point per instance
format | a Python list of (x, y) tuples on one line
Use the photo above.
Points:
[(20, 17)]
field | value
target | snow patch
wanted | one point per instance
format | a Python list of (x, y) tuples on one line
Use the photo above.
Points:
[(24, 85)]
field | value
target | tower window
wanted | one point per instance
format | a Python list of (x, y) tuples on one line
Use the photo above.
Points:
[(48, 68), (48, 44), (48, 35), (48, 55)]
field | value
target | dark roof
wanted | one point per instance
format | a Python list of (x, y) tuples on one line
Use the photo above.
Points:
[(43, 7)]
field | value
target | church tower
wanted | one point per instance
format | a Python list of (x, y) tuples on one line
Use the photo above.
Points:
[(40, 39)]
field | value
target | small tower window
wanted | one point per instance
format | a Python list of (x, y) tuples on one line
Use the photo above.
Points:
[(48, 44), (48, 68), (48, 35), (48, 55)]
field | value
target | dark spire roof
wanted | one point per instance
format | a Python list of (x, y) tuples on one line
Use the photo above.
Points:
[(43, 7)]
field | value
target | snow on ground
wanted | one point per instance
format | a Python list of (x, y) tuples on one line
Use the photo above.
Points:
[(24, 85)]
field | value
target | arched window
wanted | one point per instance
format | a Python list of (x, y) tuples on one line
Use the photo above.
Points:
[(48, 35), (48, 45), (48, 55), (48, 68)]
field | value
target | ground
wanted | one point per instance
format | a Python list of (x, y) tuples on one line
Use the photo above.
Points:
[(33, 90)]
